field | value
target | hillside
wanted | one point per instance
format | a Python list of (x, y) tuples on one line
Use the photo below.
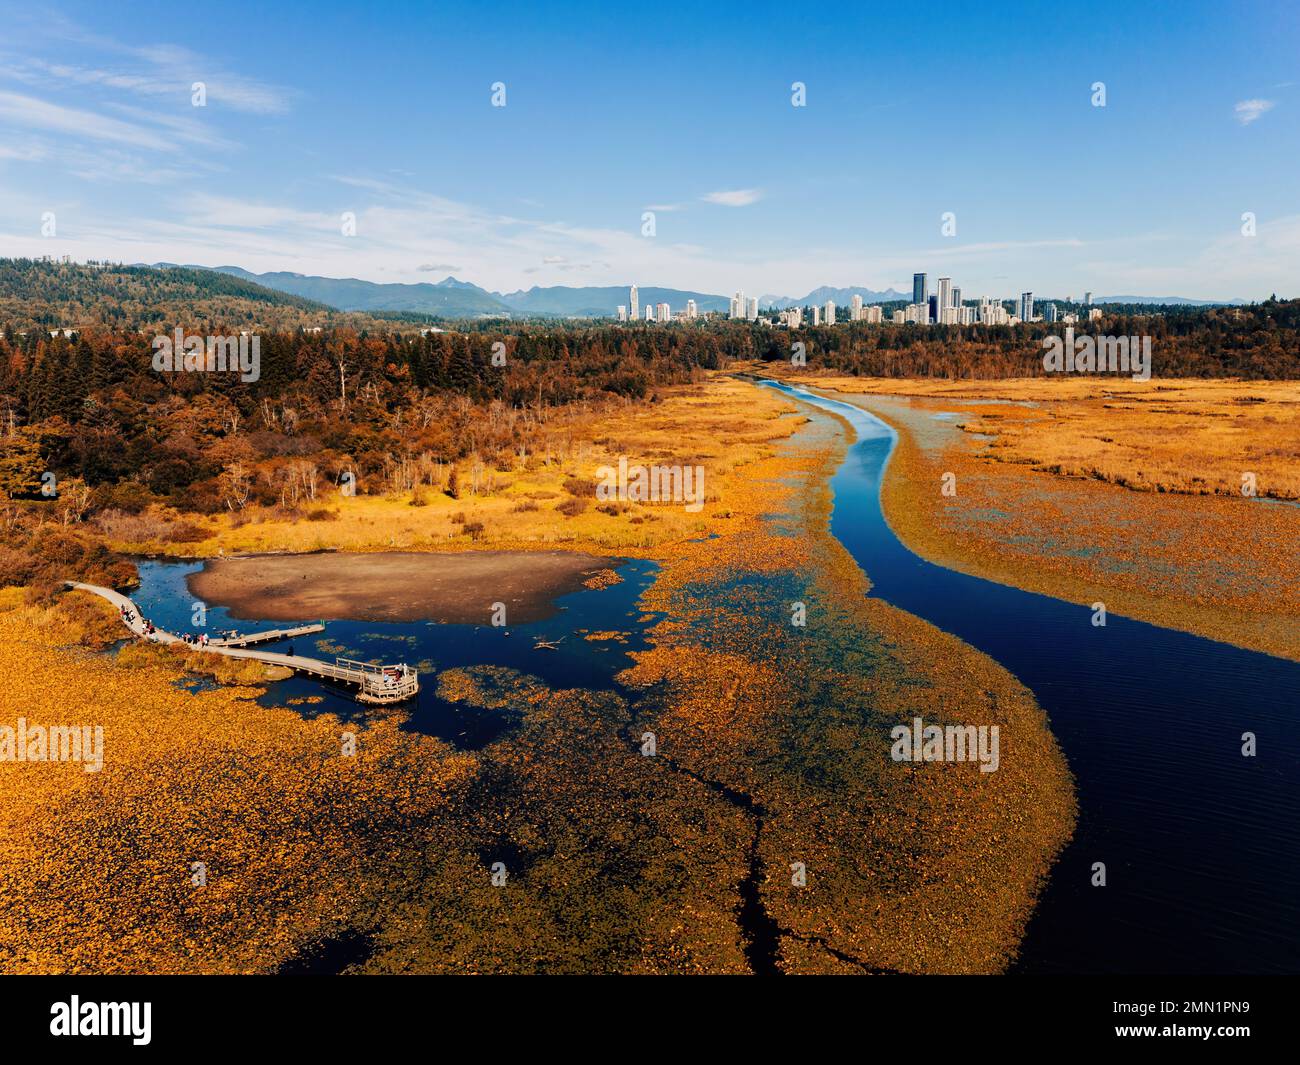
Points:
[(42, 293)]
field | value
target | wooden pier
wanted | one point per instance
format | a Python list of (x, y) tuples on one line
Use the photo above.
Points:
[(375, 684)]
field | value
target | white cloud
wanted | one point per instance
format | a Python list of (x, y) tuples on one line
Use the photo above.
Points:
[(1249, 110), (32, 113), (734, 197)]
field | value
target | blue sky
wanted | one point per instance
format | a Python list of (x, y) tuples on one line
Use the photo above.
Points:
[(982, 110)]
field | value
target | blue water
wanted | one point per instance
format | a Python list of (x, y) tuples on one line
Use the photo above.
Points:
[(1200, 843), (165, 599)]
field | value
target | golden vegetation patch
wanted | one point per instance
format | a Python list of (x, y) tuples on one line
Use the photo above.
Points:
[(603, 578), (295, 841), (546, 499)]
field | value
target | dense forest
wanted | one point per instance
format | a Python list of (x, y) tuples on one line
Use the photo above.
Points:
[(1260, 342), (36, 293)]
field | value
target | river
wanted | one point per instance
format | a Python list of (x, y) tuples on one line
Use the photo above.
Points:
[(1199, 842)]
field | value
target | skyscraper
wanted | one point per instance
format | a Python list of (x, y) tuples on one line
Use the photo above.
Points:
[(632, 303), (751, 308), (920, 292), (1026, 306), (956, 296), (1087, 298), (855, 308), (691, 311), (830, 312), (945, 296)]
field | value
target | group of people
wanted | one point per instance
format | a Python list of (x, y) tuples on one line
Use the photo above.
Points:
[(129, 617), (194, 639), (393, 675)]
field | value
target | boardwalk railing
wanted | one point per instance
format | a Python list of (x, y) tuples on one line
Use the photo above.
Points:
[(382, 684), (375, 683)]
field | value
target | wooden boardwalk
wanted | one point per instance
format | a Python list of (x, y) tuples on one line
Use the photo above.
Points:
[(375, 684), (269, 636)]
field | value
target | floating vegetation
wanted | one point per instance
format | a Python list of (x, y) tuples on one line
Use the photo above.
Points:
[(602, 579)]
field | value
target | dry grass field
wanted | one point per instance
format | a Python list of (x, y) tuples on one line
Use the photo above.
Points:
[(548, 499), (1194, 437)]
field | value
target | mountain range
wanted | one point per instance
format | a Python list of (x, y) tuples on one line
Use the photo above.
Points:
[(453, 298), (842, 297)]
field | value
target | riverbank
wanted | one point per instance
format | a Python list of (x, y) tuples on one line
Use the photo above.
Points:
[(1115, 530)]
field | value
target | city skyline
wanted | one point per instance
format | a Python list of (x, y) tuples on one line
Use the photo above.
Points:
[(947, 306), (100, 132)]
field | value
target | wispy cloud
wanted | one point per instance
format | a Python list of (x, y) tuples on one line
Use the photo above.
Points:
[(171, 71), (29, 154), (31, 113), (734, 197), (1248, 111)]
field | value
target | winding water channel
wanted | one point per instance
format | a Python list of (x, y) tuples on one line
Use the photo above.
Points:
[(1200, 843)]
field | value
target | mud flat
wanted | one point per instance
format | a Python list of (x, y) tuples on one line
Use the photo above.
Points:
[(397, 586)]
